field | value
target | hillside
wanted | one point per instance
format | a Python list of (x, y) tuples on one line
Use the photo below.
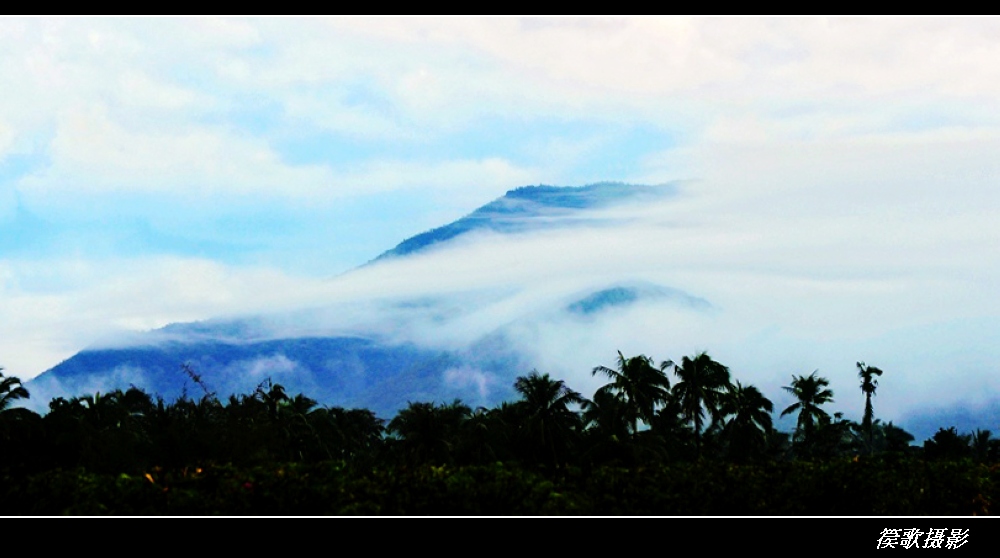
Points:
[(366, 369)]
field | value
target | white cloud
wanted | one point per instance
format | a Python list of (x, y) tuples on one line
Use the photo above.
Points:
[(206, 33), (93, 154), (54, 309), (264, 368), (94, 157), (846, 175), (6, 139), (142, 91), (466, 183), (464, 377), (763, 56)]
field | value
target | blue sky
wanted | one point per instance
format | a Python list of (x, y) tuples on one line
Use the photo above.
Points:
[(840, 174)]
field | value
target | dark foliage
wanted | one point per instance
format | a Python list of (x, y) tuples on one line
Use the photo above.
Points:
[(705, 447)]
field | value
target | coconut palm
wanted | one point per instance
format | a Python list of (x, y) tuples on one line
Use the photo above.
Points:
[(605, 416), (948, 444), (493, 434), (673, 431), (345, 434), (550, 424), (748, 429), (868, 385), (429, 433), (984, 447), (272, 397), (811, 392), (10, 391), (608, 429), (639, 384), (11, 417), (895, 438), (703, 381)]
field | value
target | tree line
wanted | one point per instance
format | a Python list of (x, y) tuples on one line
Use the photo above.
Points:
[(647, 414)]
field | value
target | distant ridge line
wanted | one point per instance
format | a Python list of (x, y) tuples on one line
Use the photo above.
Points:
[(508, 213)]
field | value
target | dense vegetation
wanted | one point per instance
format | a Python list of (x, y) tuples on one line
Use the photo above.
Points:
[(679, 438)]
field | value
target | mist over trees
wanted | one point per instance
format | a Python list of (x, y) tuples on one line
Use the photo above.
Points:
[(636, 421)]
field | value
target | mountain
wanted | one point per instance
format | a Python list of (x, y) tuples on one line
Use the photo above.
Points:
[(532, 208), (343, 371), (415, 356), (621, 296)]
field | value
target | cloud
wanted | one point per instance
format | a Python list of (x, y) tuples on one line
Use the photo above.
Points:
[(92, 154), (839, 195), (470, 181), (6, 139), (54, 309), (721, 59), (788, 302), (816, 293), (245, 376), (264, 368), (464, 377)]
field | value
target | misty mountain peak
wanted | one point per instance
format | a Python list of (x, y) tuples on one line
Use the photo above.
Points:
[(531, 208), (626, 294)]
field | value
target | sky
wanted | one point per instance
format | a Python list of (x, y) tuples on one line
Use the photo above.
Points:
[(837, 183)]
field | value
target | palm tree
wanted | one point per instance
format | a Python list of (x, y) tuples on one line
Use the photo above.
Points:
[(895, 438), (948, 444), (10, 391), (607, 428), (639, 384), (984, 448), (429, 433), (702, 384), (605, 416), (361, 430), (671, 429), (868, 385), (747, 431), (811, 392), (492, 434), (550, 424), (272, 397), (295, 429)]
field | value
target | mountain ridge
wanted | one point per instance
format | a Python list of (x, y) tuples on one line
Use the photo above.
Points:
[(366, 370), (521, 209)]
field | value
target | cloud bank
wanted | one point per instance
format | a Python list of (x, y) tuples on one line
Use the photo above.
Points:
[(839, 185)]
